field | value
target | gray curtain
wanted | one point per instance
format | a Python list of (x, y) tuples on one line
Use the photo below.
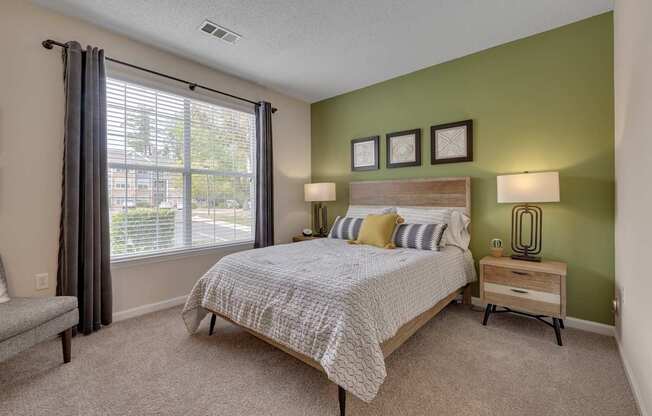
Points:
[(84, 253), (264, 235)]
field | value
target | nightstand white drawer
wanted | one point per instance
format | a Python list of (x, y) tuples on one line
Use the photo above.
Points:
[(523, 299), (523, 293)]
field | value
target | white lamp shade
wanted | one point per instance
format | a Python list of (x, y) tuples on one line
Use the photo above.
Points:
[(319, 192), (528, 187)]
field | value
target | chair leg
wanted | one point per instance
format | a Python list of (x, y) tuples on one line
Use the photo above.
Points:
[(341, 397), (66, 337), (213, 318)]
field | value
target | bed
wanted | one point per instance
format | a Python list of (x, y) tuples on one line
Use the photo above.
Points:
[(338, 307)]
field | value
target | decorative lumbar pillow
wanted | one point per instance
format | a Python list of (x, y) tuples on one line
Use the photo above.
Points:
[(4, 293), (346, 228), (377, 230), (427, 215), (419, 236)]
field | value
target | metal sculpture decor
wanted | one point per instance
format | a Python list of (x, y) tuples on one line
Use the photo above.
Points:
[(526, 249), (523, 189)]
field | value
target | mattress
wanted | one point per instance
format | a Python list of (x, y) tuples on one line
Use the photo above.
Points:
[(329, 300)]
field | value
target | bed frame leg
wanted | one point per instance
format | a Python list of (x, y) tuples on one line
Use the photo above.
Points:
[(466, 295), (213, 318), (341, 396)]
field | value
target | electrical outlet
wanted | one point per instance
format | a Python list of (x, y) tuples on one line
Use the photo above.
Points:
[(42, 281)]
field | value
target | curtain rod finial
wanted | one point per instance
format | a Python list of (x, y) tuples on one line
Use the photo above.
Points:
[(47, 44)]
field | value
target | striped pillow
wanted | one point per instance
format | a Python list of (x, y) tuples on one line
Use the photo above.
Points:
[(346, 228), (419, 236), (427, 215)]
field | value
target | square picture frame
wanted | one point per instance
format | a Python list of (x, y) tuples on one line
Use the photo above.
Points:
[(451, 142), (365, 154), (404, 148)]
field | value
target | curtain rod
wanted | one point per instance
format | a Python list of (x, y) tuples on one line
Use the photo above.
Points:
[(49, 44)]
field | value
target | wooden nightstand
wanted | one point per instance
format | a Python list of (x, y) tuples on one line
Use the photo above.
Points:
[(302, 237), (534, 289)]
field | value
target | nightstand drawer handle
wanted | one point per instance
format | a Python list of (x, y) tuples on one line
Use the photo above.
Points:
[(520, 273), (519, 291)]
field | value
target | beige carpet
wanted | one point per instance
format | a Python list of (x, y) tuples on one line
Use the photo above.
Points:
[(452, 366)]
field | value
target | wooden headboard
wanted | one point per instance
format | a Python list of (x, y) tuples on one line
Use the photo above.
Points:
[(452, 192)]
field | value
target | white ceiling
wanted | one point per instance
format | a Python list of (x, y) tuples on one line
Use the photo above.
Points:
[(315, 49)]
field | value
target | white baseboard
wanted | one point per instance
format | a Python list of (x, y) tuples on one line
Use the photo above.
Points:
[(576, 323), (636, 391), (149, 308), (590, 326)]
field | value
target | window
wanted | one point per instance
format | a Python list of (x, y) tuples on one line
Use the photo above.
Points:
[(180, 171)]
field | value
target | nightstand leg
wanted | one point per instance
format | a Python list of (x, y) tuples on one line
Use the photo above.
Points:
[(213, 318), (561, 324), (487, 312), (555, 322), (493, 308)]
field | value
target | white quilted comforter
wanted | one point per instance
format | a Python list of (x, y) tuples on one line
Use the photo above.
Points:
[(329, 300)]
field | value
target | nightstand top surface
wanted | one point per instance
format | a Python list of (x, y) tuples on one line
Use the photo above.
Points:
[(555, 267), (302, 237)]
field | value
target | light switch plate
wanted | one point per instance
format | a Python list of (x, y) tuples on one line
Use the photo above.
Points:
[(42, 281)]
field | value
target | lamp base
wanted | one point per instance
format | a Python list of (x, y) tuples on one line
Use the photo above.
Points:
[(320, 218), (526, 248), (526, 258)]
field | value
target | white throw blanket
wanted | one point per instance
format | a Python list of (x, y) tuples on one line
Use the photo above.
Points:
[(329, 300)]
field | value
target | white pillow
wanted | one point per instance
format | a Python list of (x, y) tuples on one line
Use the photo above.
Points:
[(457, 234), (361, 211)]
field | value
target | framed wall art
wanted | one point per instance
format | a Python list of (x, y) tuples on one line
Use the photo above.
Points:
[(451, 142), (404, 148), (364, 153)]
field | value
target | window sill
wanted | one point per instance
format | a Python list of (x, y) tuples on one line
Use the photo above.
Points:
[(126, 262)]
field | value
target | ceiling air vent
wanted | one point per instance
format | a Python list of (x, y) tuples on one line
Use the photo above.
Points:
[(219, 32)]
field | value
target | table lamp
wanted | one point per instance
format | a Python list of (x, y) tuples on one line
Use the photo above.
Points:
[(319, 193), (523, 189)]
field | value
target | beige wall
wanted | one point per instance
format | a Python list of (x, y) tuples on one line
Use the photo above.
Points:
[(633, 83), (31, 125)]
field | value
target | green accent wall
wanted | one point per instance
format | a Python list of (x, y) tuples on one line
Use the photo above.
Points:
[(540, 103)]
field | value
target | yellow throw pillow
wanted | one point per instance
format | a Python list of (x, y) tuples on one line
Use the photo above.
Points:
[(377, 230)]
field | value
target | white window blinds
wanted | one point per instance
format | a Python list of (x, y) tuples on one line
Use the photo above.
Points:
[(180, 171)]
